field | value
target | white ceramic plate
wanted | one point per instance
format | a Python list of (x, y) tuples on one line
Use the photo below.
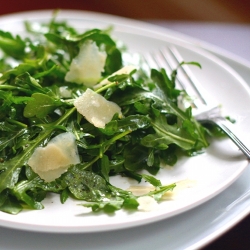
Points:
[(205, 175)]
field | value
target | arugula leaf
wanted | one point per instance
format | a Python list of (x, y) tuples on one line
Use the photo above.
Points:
[(14, 47), (165, 84), (129, 123), (160, 191), (85, 185), (152, 180), (109, 206), (40, 105), (9, 204), (135, 157), (35, 185), (168, 134)]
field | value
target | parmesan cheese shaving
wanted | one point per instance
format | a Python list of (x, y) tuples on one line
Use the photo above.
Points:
[(87, 66), (51, 161), (95, 108), (147, 203)]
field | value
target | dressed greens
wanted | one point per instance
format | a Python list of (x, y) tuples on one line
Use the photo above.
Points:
[(37, 104)]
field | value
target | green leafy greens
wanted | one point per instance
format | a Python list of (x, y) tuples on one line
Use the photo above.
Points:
[(152, 130)]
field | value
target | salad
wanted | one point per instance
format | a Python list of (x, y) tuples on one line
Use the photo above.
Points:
[(74, 113)]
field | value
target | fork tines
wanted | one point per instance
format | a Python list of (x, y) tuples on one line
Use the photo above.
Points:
[(170, 59)]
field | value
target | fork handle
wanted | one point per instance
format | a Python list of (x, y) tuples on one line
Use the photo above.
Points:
[(227, 127)]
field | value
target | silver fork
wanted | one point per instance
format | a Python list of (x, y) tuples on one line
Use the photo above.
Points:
[(169, 58)]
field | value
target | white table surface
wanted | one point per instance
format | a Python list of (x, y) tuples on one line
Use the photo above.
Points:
[(231, 37)]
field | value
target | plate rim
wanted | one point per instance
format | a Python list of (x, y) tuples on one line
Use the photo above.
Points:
[(91, 13)]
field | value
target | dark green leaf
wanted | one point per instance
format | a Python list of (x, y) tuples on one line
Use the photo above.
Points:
[(40, 105), (105, 167), (11, 206), (135, 157), (129, 123), (152, 180), (85, 185), (160, 191), (172, 134), (107, 206), (14, 47)]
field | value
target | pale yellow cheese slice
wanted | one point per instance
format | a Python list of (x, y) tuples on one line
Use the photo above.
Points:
[(51, 161), (95, 108), (87, 66)]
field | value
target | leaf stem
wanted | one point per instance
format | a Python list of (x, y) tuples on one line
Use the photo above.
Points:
[(172, 135), (99, 90), (23, 125), (105, 146), (10, 87)]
